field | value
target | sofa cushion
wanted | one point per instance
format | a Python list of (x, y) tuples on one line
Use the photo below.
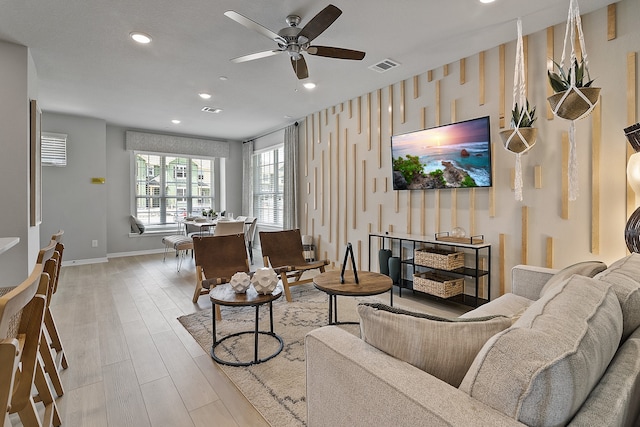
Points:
[(509, 305), (586, 268), (541, 370), (442, 347), (624, 277)]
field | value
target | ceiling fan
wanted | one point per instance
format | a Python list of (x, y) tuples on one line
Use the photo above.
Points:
[(295, 40)]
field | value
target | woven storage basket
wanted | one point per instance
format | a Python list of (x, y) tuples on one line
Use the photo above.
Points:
[(439, 258), (574, 106), (438, 285)]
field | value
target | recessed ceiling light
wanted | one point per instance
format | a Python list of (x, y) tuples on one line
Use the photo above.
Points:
[(141, 38), (309, 85), (175, 121), (204, 95), (487, 1), (224, 78)]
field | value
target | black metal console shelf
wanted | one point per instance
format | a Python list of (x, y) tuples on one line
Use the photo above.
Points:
[(471, 271)]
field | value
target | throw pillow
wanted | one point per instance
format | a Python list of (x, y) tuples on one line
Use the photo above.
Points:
[(445, 348), (624, 277), (542, 369), (586, 268), (136, 225)]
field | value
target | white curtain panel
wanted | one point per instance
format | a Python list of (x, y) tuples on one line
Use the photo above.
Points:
[(247, 182), (290, 220)]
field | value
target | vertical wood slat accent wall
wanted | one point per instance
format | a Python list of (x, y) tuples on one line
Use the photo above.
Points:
[(596, 125), (525, 235), (379, 127), (463, 71), (631, 119), (481, 86), (565, 176), (502, 262), (501, 73), (549, 263), (537, 177), (549, 68), (611, 22)]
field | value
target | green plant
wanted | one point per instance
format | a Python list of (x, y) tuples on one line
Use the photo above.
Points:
[(438, 174), (527, 120), (563, 80), (409, 167), (468, 182)]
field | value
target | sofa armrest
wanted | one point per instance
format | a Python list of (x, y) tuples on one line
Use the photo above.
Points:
[(352, 383), (528, 280)]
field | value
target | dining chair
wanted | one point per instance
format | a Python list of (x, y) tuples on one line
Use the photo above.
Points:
[(21, 323), (49, 258), (282, 250), (224, 228), (52, 329), (218, 258)]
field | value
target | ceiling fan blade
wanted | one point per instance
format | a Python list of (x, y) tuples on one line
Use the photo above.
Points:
[(320, 22), (300, 67), (335, 52), (256, 55), (252, 25)]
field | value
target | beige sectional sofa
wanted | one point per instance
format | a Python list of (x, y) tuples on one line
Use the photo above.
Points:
[(562, 349)]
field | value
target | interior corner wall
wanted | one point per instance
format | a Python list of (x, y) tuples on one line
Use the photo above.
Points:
[(345, 156), (17, 87), (231, 191), (70, 201)]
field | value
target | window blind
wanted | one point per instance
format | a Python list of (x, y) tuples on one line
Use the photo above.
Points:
[(53, 149)]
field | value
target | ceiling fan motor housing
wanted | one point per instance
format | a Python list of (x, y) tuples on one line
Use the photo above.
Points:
[(295, 44)]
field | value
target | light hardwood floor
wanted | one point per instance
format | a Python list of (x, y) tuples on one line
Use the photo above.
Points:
[(131, 363)]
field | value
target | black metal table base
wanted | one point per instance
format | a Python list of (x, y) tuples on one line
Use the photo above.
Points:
[(256, 333), (333, 309)]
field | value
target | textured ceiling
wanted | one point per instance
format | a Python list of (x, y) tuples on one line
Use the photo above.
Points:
[(87, 65)]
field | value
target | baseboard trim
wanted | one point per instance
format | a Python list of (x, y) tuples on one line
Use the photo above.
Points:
[(84, 261), (135, 253)]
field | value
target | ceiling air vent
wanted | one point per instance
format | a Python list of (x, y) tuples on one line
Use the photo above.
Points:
[(384, 65), (211, 110)]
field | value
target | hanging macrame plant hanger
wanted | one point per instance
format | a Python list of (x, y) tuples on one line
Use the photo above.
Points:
[(519, 140), (576, 102)]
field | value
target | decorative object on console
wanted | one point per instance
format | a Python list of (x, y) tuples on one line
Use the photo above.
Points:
[(240, 282), (632, 229), (394, 269), (574, 98), (264, 280), (522, 136), (455, 237), (383, 260)]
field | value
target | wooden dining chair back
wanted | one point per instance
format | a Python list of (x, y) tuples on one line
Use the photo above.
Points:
[(225, 228), (282, 250), (60, 249), (49, 259), (218, 258), (21, 322)]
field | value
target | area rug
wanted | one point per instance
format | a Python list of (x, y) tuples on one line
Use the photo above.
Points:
[(276, 388)]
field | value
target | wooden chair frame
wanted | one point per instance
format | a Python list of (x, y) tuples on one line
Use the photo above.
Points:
[(282, 250), (217, 258)]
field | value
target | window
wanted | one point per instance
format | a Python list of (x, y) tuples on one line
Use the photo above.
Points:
[(53, 149), (168, 188), (268, 186)]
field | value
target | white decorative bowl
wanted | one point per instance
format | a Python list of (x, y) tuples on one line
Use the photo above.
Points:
[(240, 282), (264, 280)]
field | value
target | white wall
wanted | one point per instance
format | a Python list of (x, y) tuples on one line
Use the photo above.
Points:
[(333, 135), (17, 87), (70, 201)]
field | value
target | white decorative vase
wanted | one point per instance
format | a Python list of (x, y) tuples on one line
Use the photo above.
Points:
[(240, 282), (264, 280)]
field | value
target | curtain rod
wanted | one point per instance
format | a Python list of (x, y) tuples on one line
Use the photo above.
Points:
[(270, 132)]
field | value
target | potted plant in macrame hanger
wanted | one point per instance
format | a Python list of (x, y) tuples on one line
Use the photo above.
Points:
[(574, 97), (521, 135)]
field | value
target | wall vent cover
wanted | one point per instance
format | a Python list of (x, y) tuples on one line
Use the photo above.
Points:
[(211, 110), (384, 65)]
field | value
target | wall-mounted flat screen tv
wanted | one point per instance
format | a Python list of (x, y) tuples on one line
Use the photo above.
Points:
[(456, 155)]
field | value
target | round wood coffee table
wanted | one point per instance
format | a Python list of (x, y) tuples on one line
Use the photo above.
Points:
[(370, 283), (225, 295)]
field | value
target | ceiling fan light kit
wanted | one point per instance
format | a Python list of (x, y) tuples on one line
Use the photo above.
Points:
[(295, 40)]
